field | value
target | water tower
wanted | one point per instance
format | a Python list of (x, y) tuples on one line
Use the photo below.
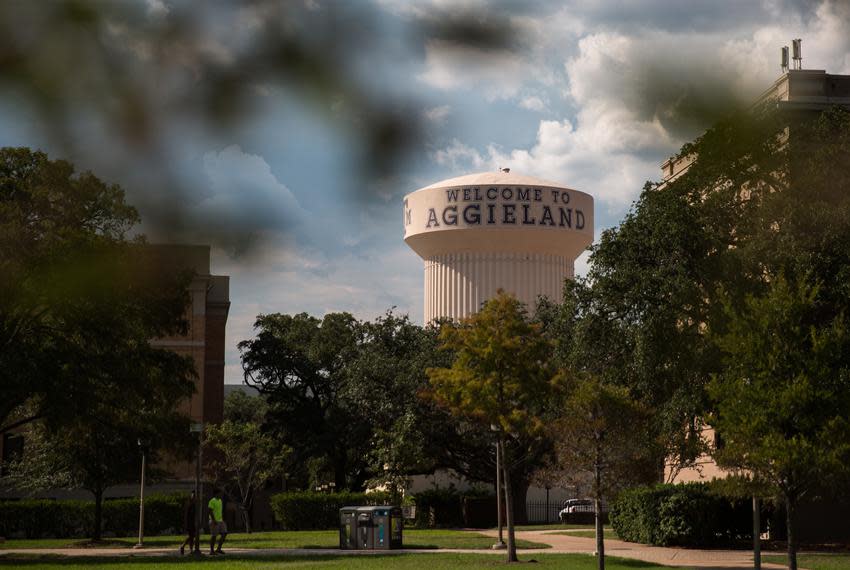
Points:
[(495, 230)]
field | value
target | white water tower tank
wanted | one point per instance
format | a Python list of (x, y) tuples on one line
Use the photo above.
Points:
[(495, 230)]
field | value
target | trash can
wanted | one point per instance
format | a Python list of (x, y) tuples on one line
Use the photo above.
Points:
[(348, 528), (387, 524), (370, 528), (364, 528)]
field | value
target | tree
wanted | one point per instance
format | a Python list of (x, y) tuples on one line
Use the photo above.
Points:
[(97, 445), (782, 401), (603, 433), (499, 378), (299, 364), (61, 238), (79, 305), (652, 283), (244, 458)]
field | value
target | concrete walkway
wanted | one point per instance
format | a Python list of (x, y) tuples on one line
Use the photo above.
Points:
[(560, 544), (668, 556)]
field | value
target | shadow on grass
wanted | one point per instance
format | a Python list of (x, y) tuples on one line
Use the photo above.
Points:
[(35, 560)]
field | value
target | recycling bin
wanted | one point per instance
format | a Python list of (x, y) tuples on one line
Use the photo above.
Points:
[(364, 528), (348, 528), (370, 528), (387, 523)]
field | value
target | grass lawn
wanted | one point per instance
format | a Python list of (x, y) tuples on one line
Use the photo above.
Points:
[(393, 561), (413, 538), (813, 561)]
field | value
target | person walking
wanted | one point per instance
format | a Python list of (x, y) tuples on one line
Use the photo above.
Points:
[(189, 525), (217, 524)]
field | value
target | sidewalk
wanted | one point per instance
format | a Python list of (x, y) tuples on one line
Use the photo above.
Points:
[(671, 556)]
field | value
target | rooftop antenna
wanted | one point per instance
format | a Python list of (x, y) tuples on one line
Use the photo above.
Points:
[(797, 53), (784, 59)]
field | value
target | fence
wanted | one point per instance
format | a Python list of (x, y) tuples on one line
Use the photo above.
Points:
[(541, 512)]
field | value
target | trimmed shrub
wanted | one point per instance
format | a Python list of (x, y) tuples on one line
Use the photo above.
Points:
[(439, 508), (683, 515), (45, 518), (318, 511)]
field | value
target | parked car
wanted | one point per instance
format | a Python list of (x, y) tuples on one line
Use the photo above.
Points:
[(578, 506)]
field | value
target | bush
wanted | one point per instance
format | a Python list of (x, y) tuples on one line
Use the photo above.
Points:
[(44, 518), (683, 515), (438, 507), (318, 511)]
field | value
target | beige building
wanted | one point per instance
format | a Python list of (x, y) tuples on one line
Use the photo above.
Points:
[(495, 230), (796, 91)]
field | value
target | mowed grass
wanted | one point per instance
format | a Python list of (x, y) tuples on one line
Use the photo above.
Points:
[(825, 561), (437, 561), (413, 538)]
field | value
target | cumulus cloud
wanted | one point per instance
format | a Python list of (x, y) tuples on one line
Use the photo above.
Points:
[(451, 65), (156, 9), (244, 196), (532, 103), (438, 114), (581, 159)]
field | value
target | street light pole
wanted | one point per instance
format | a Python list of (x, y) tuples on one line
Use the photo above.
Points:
[(142, 498), (198, 427), (501, 544)]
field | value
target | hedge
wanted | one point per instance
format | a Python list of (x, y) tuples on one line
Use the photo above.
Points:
[(44, 518), (439, 508), (444, 507), (318, 511), (688, 514)]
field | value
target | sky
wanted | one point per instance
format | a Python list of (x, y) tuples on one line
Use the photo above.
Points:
[(595, 95)]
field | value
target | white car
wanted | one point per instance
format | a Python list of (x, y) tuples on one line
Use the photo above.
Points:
[(575, 506)]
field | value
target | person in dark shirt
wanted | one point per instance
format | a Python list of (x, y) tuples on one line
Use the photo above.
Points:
[(189, 524)]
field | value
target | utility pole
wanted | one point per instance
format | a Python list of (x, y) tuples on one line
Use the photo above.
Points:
[(141, 543), (501, 544), (198, 427), (756, 533)]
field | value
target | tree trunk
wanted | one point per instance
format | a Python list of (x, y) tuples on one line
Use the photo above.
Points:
[(519, 495), (339, 475), (597, 499), (790, 507), (246, 519), (98, 514), (509, 509)]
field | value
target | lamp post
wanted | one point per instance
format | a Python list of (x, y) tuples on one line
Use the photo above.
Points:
[(143, 448), (198, 428), (501, 544)]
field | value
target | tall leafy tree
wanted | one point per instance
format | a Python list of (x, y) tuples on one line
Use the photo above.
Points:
[(70, 283), (500, 378), (299, 364), (604, 434), (385, 379), (79, 303), (245, 457), (96, 444), (782, 400)]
